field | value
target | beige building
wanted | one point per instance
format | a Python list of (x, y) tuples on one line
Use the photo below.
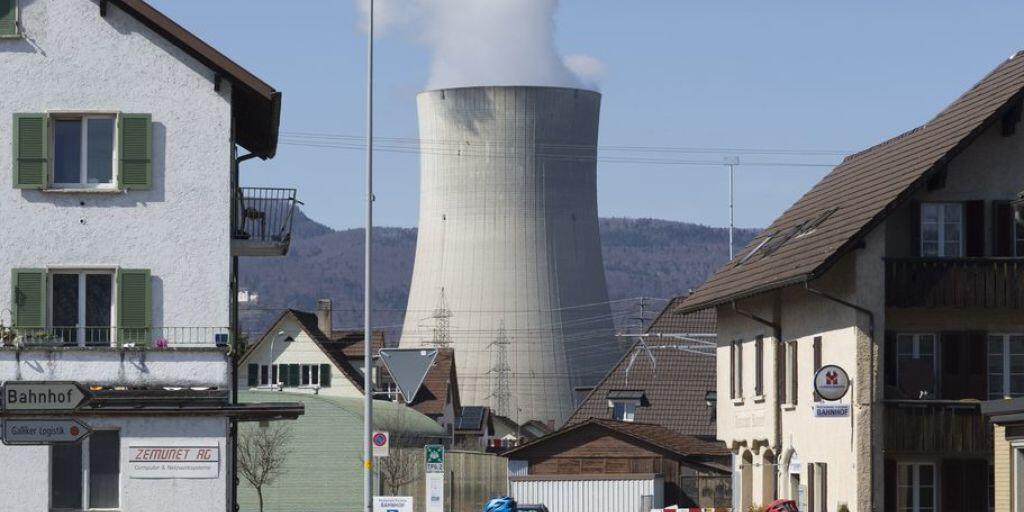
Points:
[(903, 267)]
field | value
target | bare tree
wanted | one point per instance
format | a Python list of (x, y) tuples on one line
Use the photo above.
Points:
[(262, 452), (401, 466)]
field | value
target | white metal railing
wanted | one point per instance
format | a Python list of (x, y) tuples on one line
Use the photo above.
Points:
[(152, 337)]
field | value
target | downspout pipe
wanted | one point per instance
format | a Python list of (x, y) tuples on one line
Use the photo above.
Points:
[(871, 368), (776, 410)]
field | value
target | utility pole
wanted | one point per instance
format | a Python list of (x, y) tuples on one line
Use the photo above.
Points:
[(502, 392), (732, 162), (367, 284)]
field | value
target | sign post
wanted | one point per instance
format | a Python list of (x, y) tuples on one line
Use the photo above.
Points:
[(39, 431), (381, 444), (408, 367), (24, 395), (434, 459)]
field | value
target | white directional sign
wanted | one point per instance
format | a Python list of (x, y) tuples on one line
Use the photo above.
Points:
[(23, 395), (44, 431), (408, 367)]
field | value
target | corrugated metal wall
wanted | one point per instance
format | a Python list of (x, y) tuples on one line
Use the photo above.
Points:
[(471, 479), (604, 495)]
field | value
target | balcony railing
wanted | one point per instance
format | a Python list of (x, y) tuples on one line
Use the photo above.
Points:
[(955, 283), (936, 426), (151, 337), (263, 221)]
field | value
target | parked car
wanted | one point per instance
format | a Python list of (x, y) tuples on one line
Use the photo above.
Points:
[(532, 508)]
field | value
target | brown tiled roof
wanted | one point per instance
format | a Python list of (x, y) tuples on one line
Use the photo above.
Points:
[(440, 379), (256, 106), (864, 188), (351, 342), (657, 435), (671, 322), (674, 387)]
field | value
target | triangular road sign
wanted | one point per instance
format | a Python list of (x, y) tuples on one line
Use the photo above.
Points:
[(408, 367)]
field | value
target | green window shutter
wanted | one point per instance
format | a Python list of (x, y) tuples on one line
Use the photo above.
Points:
[(135, 138), (134, 301), (254, 374), (293, 375), (31, 150), (325, 375), (282, 374), (8, 18), (28, 298)]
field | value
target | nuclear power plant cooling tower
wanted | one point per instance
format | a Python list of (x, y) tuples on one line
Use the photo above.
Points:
[(508, 265)]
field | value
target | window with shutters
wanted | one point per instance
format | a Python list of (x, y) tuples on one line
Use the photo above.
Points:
[(1005, 366), (791, 383), (942, 230), (84, 151), (759, 367)]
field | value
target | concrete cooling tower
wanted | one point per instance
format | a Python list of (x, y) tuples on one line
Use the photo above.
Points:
[(508, 266)]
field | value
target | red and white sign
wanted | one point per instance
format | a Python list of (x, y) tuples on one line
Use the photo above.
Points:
[(163, 462), (381, 444)]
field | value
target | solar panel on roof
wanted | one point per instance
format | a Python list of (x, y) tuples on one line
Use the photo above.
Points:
[(472, 418)]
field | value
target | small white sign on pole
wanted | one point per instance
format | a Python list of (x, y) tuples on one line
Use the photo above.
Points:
[(832, 411), (392, 504), (166, 462), (381, 444), (435, 492)]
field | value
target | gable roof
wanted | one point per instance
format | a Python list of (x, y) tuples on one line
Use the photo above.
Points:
[(441, 379), (674, 387), (863, 189), (332, 349), (654, 435), (255, 105)]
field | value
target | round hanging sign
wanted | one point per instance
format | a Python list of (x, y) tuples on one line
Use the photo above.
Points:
[(831, 382)]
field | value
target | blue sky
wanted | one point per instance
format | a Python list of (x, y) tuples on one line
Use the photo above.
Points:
[(795, 75)]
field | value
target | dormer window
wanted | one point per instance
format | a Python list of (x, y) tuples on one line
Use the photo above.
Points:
[(624, 403), (942, 230)]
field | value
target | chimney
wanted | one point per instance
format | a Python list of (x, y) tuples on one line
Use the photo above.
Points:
[(323, 316)]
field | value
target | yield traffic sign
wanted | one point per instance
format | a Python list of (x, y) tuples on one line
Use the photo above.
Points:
[(408, 367), (44, 431), (24, 395)]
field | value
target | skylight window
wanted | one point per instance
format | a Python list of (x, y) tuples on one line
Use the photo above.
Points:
[(777, 239)]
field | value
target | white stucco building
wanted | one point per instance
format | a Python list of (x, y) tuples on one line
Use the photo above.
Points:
[(123, 220), (903, 266)]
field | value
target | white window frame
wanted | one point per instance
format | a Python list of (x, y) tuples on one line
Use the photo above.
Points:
[(941, 221), (314, 376), (86, 446), (916, 354), (1006, 363), (915, 485), (83, 172), (1017, 449), (628, 410), (80, 337)]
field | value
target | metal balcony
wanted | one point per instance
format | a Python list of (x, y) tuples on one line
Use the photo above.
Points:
[(123, 337), (954, 283), (262, 221)]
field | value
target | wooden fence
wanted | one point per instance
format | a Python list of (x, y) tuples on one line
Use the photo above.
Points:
[(471, 478)]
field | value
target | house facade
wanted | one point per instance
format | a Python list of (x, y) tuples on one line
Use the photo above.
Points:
[(903, 268), (124, 218)]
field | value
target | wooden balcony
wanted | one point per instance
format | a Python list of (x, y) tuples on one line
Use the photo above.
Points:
[(954, 283), (936, 426)]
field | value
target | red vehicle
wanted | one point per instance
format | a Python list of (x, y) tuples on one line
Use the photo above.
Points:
[(782, 506)]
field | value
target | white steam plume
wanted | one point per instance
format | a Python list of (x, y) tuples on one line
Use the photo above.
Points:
[(488, 42)]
